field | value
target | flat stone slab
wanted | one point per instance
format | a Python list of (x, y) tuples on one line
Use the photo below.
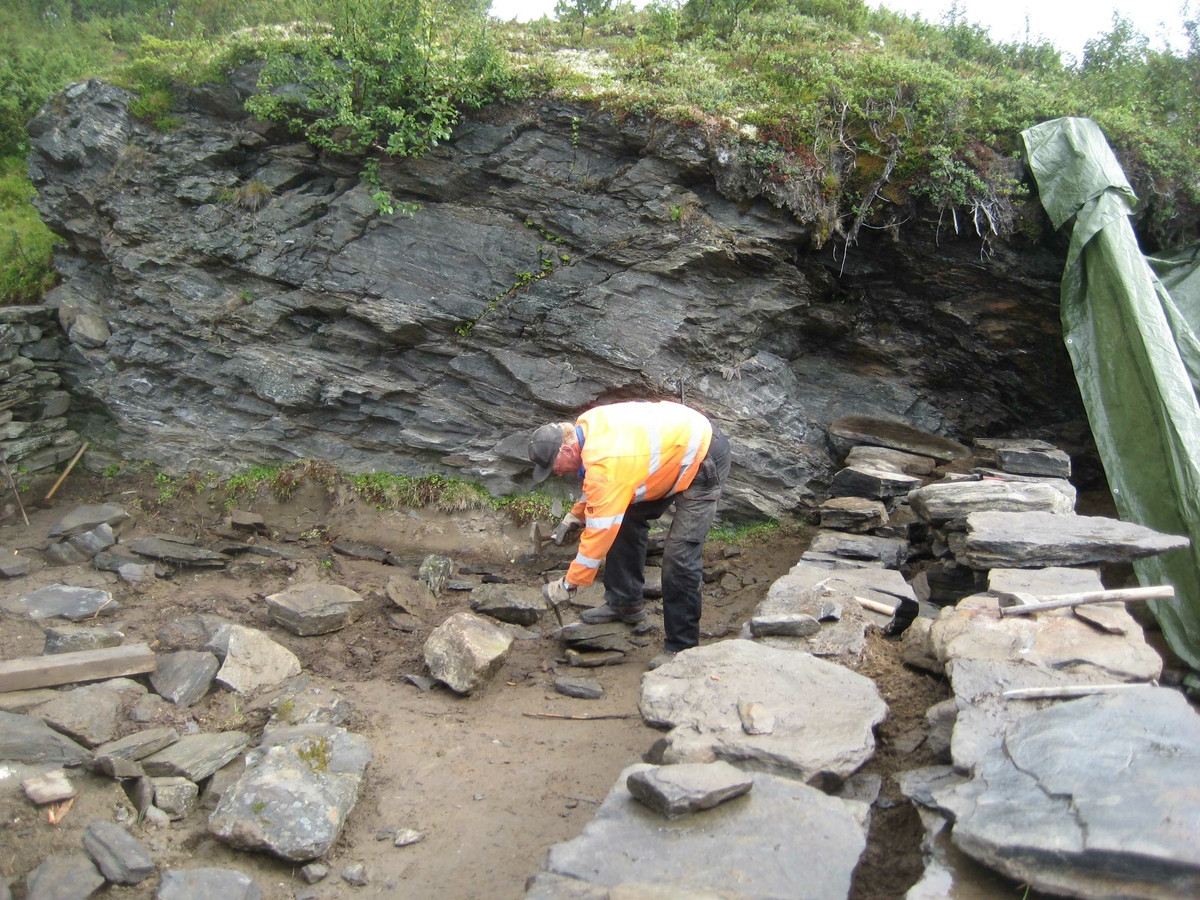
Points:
[(1035, 540), (28, 739), (185, 676), (176, 553), (175, 796), (355, 550), (63, 878), (853, 514), (296, 792), (73, 638), (825, 714), (205, 884), (253, 660), (305, 703), (49, 788), (14, 565), (61, 601), (1053, 639), (118, 854), (673, 791), (946, 501), (88, 714), (871, 483), (783, 624), (465, 651), (1071, 813), (887, 458), (85, 518), (140, 744), (781, 840), (509, 603), (897, 436), (580, 688), (196, 756), (1044, 582), (315, 608), (888, 552)]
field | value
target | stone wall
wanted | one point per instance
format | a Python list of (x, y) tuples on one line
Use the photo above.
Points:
[(261, 309)]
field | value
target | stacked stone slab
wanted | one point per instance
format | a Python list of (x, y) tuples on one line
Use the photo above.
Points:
[(33, 405)]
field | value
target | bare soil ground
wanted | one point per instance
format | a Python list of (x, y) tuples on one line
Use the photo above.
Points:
[(491, 787)]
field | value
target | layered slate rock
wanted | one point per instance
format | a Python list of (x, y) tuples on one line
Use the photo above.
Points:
[(315, 608), (206, 884), (185, 676), (1027, 457), (176, 553), (580, 688), (86, 518), (1049, 581), (253, 660), (196, 756), (63, 878), (897, 436), (886, 458), (465, 651), (853, 514), (946, 501), (305, 703), (825, 714), (295, 794), (28, 739), (1033, 540), (813, 846), (140, 744), (118, 854), (829, 545), (1092, 798), (872, 483), (62, 601), (673, 791), (509, 603), (1054, 639)]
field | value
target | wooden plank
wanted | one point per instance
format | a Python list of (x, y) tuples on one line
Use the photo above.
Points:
[(1061, 601), (67, 668)]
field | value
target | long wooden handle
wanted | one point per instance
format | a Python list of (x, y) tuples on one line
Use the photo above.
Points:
[(876, 606), (1059, 601), (67, 470)]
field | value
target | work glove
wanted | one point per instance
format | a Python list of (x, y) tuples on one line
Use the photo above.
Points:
[(558, 592), (568, 529)]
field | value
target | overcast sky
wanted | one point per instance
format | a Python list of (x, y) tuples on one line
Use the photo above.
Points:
[(1067, 24)]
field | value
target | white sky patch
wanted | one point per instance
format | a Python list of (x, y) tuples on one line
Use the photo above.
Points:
[(1068, 24)]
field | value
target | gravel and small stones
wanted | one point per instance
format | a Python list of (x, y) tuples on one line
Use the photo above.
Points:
[(356, 875), (119, 855), (582, 688), (406, 837), (314, 872)]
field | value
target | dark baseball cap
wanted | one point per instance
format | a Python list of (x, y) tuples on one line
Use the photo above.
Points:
[(543, 449)]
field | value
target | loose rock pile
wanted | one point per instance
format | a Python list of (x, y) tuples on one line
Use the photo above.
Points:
[(1027, 789), (33, 427)]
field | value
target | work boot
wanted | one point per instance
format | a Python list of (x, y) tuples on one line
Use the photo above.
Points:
[(662, 659), (630, 615)]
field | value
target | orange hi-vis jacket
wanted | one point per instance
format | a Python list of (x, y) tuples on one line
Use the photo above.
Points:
[(631, 452)]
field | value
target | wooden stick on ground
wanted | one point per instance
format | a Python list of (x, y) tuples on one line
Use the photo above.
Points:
[(84, 665), (1060, 601), (583, 718), (16, 493), (1068, 691), (66, 471)]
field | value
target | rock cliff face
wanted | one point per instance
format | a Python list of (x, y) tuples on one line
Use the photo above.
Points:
[(262, 309)]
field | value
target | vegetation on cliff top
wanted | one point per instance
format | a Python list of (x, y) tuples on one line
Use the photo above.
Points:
[(847, 116)]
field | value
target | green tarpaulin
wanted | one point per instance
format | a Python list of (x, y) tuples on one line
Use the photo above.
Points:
[(1130, 323)]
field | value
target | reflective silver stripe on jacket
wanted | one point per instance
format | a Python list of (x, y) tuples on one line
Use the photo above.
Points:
[(688, 457), (586, 561), (603, 522)]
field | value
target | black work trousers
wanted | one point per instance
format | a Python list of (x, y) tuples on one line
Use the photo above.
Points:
[(683, 560)]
